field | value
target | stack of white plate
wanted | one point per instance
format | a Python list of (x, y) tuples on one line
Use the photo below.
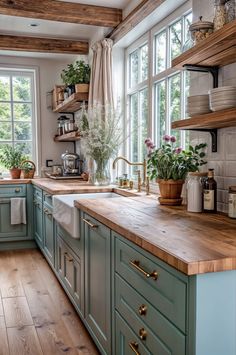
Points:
[(198, 105), (223, 98)]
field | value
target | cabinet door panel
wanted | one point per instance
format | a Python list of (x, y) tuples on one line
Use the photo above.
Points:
[(97, 281), (38, 223), (48, 227)]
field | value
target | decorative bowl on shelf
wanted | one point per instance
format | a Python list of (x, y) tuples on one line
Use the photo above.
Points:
[(200, 30)]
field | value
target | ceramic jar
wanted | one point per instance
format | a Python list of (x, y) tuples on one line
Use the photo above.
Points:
[(194, 191), (200, 30), (219, 14), (230, 8)]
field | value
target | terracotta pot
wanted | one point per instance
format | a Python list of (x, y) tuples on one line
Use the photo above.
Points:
[(170, 191), (15, 173), (82, 88)]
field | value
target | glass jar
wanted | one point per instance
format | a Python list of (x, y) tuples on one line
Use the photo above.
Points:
[(194, 191), (232, 202), (219, 14), (101, 175), (230, 8)]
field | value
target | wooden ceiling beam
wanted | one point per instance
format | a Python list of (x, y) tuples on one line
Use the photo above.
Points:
[(36, 44), (54, 10), (145, 8)]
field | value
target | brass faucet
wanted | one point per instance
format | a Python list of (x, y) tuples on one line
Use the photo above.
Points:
[(143, 164)]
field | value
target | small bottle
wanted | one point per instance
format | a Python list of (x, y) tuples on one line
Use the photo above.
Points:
[(232, 202), (209, 192)]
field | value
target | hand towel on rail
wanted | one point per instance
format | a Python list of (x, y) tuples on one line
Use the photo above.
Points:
[(18, 210)]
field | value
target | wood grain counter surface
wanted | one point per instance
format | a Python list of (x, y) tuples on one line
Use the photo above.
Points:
[(9, 181), (193, 243)]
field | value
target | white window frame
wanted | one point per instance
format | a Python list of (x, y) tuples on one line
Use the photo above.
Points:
[(153, 78), (33, 72)]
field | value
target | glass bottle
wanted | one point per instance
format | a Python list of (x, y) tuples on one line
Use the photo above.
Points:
[(209, 192), (232, 202)]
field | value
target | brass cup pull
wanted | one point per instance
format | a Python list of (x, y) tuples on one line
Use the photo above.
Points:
[(68, 257), (134, 346), (136, 265), (90, 224), (142, 310), (142, 334), (17, 189)]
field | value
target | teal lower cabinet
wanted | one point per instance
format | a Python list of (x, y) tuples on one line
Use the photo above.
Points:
[(48, 229), (97, 256), (19, 232), (38, 216)]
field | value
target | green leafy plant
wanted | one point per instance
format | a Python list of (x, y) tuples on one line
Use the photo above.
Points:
[(77, 73), (170, 162), (27, 167), (11, 157)]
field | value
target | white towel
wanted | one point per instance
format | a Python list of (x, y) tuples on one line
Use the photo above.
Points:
[(18, 210)]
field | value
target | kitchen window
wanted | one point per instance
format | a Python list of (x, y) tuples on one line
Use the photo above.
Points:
[(17, 111), (156, 93)]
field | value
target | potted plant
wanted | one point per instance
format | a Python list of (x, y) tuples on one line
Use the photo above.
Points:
[(169, 165), (11, 158), (28, 168), (76, 77)]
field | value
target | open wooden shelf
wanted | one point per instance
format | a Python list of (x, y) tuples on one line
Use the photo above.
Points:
[(217, 50), (68, 137), (213, 120), (72, 103)]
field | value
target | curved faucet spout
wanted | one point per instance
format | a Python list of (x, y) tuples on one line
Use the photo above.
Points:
[(143, 164)]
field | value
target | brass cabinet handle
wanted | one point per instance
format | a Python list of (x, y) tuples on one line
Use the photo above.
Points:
[(142, 334), (17, 189), (90, 224), (142, 310), (68, 257), (134, 346), (136, 265)]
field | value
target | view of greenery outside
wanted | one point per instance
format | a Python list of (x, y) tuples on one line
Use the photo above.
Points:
[(160, 51), (16, 112), (175, 103), (160, 114)]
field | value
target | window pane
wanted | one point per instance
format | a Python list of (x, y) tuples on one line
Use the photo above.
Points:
[(22, 112), (175, 103), (160, 117), (144, 62), (144, 121), (5, 131), (134, 68), (22, 131), (134, 126), (26, 148), (21, 88), (160, 52), (187, 23), (175, 39), (5, 112), (186, 94), (5, 88)]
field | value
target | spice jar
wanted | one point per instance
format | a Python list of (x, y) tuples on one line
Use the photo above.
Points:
[(194, 191), (230, 8), (220, 14), (232, 202)]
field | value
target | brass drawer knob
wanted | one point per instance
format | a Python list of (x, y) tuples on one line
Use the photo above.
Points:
[(142, 310), (134, 346), (17, 189), (142, 334)]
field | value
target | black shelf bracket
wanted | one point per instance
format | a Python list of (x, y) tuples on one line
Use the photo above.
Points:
[(213, 133), (205, 69)]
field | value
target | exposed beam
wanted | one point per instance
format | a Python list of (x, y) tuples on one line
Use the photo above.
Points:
[(145, 8), (35, 44), (55, 10)]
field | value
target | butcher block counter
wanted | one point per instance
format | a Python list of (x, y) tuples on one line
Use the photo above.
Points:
[(193, 243)]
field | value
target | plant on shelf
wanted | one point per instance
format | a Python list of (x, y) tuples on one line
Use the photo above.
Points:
[(76, 77), (169, 166), (102, 135), (11, 158)]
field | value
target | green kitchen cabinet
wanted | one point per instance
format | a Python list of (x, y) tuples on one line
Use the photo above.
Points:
[(97, 256), (48, 229), (18, 232), (38, 216)]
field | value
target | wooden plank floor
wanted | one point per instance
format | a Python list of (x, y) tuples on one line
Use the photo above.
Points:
[(36, 317)]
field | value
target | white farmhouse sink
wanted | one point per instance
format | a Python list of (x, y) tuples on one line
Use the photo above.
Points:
[(67, 215)]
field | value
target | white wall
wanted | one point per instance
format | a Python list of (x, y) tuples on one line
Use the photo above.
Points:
[(49, 75), (224, 161)]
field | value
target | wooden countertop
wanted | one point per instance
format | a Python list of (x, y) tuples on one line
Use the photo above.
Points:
[(14, 181), (190, 242)]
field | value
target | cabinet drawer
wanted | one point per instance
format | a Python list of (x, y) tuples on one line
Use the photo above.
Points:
[(12, 190), (126, 342), (161, 335), (162, 289), (38, 193), (47, 200)]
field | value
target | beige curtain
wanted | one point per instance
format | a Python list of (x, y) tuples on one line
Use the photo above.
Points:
[(100, 91)]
